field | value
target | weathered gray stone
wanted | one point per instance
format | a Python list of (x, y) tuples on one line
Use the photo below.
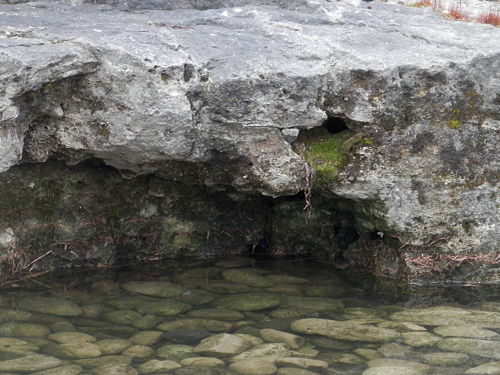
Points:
[(164, 92)]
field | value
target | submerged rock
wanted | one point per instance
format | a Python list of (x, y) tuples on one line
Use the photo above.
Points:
[(483, 348), (253, 367), (23, 329), (249, 301), (420, 339), (464, 331), (247, 276), (490, 368), (155, 366), (344, 330), (195, 324), (50, 305), (104, 360), (312, 303), (174, 352), (217, 314), (73, 350), (164, 307), (29, 363), (444, 316), (269, 352), (445, 359), (113, 346), (202, 362), (273, 335), (306, 363), (16, 346), (69, 370), (224, 345), (153, 288), (71, 337), (115, 370)]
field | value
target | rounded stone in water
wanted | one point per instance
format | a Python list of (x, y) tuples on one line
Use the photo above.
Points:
[(50, 305), (64, 370), (344, 330), (195, 323), (248, 277), (29, 363), (254, 366), (165, 307), (249, 301), (153, 288), (223, 344)]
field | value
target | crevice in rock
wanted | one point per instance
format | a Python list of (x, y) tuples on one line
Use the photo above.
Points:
[(334, 125)]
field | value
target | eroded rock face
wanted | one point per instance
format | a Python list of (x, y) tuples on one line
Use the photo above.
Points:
[(213, 92)]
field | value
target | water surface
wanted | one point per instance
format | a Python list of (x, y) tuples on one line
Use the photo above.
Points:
[(242, 316)]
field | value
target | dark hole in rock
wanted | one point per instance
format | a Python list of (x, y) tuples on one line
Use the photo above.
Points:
[(375, 235), (334, 125)]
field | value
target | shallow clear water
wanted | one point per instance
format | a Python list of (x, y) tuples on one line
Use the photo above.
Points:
[(240, 316)]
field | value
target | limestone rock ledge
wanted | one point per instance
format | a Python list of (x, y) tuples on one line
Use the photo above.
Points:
[(215, 92)]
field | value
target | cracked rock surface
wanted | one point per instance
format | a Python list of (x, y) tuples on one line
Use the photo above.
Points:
[(213, 92)]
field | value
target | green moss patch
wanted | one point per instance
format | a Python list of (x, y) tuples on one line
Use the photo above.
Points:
[(325, 152)]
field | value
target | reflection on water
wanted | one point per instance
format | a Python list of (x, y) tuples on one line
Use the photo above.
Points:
[(236, 316)]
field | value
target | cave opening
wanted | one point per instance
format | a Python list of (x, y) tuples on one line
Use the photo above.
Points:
[(334, 125)]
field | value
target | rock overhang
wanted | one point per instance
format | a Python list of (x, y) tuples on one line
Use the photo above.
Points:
[(158, 91)]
